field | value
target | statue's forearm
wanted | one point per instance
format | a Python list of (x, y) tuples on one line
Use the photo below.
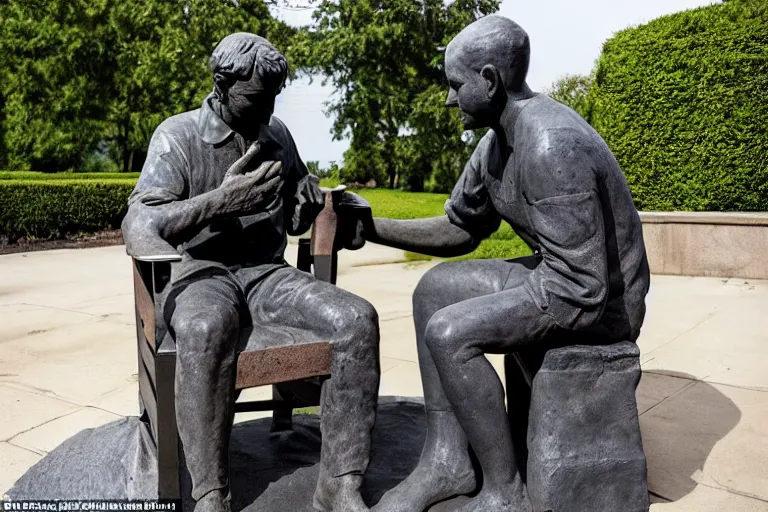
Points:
[(435, 236), (181, 220), (147, 226)]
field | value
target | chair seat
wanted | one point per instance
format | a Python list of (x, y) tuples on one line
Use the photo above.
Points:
[(277, 364)]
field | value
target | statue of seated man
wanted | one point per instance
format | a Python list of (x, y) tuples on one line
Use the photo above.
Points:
[(222, 185), (542, 169)]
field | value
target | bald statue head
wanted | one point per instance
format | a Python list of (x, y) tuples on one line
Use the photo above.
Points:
[(486, 64)]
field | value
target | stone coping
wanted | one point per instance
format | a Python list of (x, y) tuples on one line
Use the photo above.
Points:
[(721, 218)]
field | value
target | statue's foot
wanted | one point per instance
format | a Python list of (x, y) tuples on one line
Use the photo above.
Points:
[(511, 498), (214, 501), (339, 494), (432, 481)]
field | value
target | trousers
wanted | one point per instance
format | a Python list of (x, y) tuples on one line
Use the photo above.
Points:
[(206, 316)]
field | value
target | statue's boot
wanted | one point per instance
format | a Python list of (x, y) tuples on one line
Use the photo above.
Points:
[(338, 494), (444, 469), (217, 500)]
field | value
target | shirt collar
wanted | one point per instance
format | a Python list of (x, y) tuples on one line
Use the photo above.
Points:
[(214, 130)]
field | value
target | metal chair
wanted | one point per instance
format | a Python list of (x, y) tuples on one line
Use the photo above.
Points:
[(295, 372)]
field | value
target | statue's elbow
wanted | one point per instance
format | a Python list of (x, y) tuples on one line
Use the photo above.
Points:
[(140, 227)]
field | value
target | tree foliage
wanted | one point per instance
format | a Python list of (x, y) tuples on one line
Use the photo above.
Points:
[(681, 102), (573, 90), (82, 72), (385, 60)]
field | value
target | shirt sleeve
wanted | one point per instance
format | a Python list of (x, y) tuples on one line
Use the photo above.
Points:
[(163, 177), (303, 199), (571, 283), (162, 181), (469, 206)]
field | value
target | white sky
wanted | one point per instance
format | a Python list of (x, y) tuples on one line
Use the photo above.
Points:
[(566, 38)]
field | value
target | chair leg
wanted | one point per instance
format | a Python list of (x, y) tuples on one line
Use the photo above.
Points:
[(326, 267), (167, 431), (282, 417)]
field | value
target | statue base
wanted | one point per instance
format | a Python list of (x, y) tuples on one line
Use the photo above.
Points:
[(270, 472)]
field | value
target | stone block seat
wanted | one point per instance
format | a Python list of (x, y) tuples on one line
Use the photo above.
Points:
[(580, 446)]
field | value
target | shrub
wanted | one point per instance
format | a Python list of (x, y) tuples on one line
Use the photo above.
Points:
[(681, 102), (56, 208), (68, 176)]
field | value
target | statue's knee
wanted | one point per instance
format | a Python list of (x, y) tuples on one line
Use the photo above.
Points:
[(442, 337), (208, 331), (358, 321)]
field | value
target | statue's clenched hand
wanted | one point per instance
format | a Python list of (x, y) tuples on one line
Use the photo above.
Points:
[(356, 218), (245, 192)]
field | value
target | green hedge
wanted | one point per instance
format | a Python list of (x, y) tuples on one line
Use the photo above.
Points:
[(46, 176), (56, 208), (681, 101)]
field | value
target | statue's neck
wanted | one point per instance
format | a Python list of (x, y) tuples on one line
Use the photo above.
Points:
[(505, 128)]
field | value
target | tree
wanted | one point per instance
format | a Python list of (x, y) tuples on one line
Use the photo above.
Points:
[(573, 90), (78, 72), (162, 51), (56, 69), (313, 166), (385, 60)]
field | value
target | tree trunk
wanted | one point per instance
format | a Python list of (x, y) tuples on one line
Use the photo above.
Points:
[(416, 183), (126, 154)]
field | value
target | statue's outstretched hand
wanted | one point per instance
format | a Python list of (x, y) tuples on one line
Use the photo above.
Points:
[(247, 192)]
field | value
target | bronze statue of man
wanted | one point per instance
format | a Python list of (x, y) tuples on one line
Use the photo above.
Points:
[(223, 184), (546, 172)]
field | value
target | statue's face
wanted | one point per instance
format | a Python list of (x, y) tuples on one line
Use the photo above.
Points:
[(469, 92), (249, 101)]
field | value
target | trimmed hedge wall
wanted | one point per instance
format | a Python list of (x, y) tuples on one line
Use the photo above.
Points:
[(72, 176), (56, 208), (682, 102)]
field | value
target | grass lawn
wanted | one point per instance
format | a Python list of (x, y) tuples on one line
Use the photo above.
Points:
[(394, 204)]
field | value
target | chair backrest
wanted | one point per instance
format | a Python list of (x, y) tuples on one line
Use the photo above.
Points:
[(324, 243)]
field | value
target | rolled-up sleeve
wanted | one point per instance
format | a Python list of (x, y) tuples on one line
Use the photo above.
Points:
[(163, 177), (162, 180), (469, 206)]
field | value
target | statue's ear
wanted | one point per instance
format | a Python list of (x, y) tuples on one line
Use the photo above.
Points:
[(221, 85), (492, 78)]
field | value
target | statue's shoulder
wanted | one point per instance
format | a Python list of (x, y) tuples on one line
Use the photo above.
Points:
[(551, 132), (279, 130), (180, 124)]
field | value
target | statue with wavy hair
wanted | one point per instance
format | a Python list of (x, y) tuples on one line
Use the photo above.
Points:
[(223, 185)]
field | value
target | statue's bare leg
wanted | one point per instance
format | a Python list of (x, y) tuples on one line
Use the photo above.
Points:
[(444, 469), (205, 322), (459, 336)]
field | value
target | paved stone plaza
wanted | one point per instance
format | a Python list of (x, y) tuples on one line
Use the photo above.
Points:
[(68, 362)]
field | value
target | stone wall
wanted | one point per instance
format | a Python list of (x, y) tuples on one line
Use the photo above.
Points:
[(707, 244)]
